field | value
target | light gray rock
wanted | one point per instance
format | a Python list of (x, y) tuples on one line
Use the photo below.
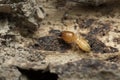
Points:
[(4, 27), (88, 69), (27, 13)]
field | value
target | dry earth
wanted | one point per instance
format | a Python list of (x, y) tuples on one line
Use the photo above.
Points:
[(30, 48)]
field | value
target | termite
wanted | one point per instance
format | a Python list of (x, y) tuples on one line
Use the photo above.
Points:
[(71, 37)]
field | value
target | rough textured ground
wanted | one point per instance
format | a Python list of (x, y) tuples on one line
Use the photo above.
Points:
[(31, 50)]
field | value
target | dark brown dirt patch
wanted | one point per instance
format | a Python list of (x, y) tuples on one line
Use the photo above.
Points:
[(101, 30), (86, 23), (51, 43), (115, 58), (98, 46)]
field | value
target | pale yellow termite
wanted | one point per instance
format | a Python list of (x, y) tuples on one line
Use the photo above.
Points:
[(71, 37)]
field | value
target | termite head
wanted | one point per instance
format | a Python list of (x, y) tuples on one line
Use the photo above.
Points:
[(68, 36)]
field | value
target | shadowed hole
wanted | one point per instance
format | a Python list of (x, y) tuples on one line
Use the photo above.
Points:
[(37, 75)]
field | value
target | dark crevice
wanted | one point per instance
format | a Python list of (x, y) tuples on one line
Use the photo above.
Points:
[(38, 74)]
